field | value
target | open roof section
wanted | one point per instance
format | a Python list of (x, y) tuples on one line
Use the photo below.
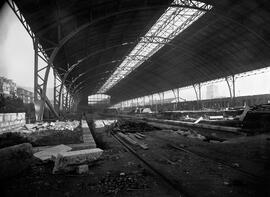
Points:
[(171, 23)]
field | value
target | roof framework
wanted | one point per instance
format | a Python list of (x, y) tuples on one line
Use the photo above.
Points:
[(88, 40), (172, 22)]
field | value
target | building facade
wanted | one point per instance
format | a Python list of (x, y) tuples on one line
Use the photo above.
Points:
[(25, 95), (7, 87)]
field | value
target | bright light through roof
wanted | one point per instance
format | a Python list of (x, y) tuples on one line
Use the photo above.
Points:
[(172, 22)]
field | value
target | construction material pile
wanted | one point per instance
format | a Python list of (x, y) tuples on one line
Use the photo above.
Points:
[(132, 126), (44, 134), (58, 126), (261, 108), (190, 134), (257, 119)]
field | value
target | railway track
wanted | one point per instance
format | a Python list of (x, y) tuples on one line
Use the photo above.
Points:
[(176, 187)]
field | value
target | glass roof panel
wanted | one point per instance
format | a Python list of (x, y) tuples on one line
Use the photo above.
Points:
[(172, 22)]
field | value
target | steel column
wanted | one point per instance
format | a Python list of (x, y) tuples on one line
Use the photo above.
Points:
[(197, 89), (231, 85)]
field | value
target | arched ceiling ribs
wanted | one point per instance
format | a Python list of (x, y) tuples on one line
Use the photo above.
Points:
[(144, 6), (152, 40), (153, 74), (64, 40)]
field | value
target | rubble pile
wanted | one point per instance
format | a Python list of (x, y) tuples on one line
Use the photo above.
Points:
[(44, 134), (112, 184), (132, 127), (191, 134), (257, 119), (262, 107), (58, 126)]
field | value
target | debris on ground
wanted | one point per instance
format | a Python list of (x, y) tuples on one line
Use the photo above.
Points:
[(139, 136), (58, 126), (15, 159), (191, 134), (131, 126), (130, 139), (112, 184), (67, 161), (198, 120), (52, 152), (56, 137), (46, 134)]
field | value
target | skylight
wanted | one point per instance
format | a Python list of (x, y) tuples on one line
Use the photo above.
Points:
[(172, 22)]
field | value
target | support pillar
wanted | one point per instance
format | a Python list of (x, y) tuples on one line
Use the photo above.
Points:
[(231, 86), (57, 84), (35, 70), (37, 102), (197, 89), (176, 97), (40, 79), (144, 101)]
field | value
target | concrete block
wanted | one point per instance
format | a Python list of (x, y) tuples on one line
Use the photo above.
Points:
[(65, 161), (82, 169), (52, 152)]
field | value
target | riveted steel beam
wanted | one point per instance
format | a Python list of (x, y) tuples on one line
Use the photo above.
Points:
[(231, 85)]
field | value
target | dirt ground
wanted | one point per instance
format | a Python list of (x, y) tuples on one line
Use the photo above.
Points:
[(119, 173)]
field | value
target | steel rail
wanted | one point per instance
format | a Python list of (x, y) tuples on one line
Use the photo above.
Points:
[(176, 187)]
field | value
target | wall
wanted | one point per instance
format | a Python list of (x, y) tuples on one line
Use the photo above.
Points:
[(11, 121)]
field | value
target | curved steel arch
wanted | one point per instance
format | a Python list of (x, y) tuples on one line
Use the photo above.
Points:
[(82, 60), (141, 86), (66, 18), (82, 27), (153, 74), (111, 47)]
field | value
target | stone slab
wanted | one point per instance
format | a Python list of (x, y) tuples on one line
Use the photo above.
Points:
[(48, 153), (82, 169), (66, 160)]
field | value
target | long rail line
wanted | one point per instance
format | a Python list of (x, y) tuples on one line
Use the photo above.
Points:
[(167, 180), (170, 183), (201, 155)]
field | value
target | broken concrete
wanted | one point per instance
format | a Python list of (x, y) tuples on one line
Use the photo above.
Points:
[(58, 126), (67, 160), (15, 159), (82, 169), (52, 152)]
